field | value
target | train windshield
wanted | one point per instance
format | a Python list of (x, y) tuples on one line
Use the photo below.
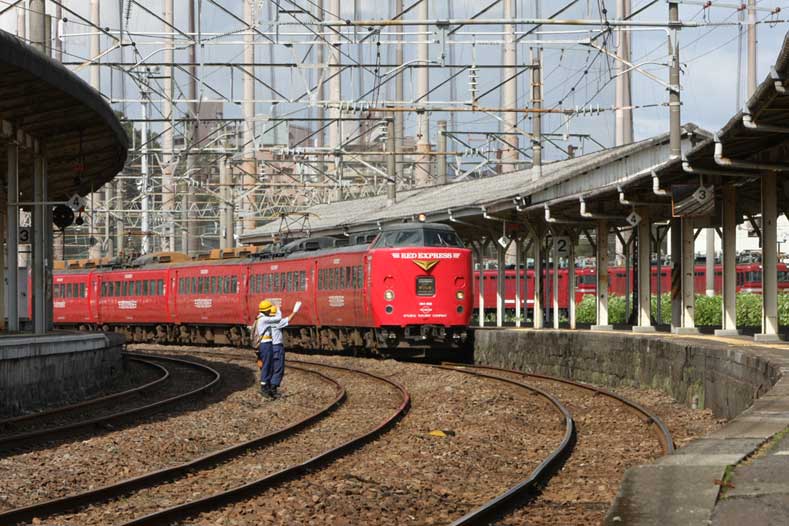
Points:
[(418, 237)]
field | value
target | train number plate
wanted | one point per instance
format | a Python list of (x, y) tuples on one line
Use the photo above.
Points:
[(425, 286)]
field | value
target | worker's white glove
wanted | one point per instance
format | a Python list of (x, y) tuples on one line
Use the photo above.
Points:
[(296, 307)]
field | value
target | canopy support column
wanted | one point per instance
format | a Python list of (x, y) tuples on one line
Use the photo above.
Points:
[(729, 262), (769, 259), (601, 269)]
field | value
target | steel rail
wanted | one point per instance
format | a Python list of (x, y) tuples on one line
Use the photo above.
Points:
[(652, 420), (21, 439), (168, 515), (540, 474), (78, 500), (165, 374)]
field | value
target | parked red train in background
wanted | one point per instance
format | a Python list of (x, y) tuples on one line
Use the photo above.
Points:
[(749, 279), (410, 288)]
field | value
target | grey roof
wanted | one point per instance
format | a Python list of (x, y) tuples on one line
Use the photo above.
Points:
[(42, 99), (460, 198)]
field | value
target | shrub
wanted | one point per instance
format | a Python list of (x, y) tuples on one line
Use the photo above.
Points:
[(708, 310)]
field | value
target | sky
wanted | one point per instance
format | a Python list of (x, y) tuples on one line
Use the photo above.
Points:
[(709, 56)]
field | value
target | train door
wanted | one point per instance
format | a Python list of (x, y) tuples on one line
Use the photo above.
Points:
[(357, 288), (94, 296), (172, 295)]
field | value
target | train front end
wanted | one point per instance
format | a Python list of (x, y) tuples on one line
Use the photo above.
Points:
[(420, 287)]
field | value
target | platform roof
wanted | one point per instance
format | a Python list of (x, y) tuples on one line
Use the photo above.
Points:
[(44, 105), (467, 199)]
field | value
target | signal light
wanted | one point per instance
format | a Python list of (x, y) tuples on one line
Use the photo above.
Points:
[(422, 218), (460, 295), (389, 295)]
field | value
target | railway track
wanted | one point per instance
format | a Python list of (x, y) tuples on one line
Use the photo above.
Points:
[(112, 491), (502, 503), (37, 428), (185, 509)]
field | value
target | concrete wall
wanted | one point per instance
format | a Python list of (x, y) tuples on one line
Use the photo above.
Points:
[(37, 371), (724, 378)]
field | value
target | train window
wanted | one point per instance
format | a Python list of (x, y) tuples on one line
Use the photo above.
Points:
[(348, 280), (360, 276), (439, 238), (145, 287), (353, 277), (234, 284), (303, 280), (783, 276), (320, 279), (68, 290), (82, 291), (387, 239), (330, 274), (282, 282), (138, 288), (213, 285), (194, 286), (408, 238), (160, 287), (124, 288)]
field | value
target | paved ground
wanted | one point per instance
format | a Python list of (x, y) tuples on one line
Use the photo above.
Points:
[(737, 476)]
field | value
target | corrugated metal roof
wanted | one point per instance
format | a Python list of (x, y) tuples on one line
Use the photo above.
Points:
[(433, 201)]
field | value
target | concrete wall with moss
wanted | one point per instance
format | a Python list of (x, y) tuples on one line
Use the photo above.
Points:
[(38, 371), (724, 378)]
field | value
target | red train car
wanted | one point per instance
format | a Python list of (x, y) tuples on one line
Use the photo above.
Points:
[(749, 279), (410, 289), (71, 300)]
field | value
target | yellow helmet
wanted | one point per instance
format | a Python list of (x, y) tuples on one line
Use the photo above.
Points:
[(273, 309), (265, 306)]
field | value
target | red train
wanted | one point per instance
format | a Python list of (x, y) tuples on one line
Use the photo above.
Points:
[(749, 279), (410, 288)]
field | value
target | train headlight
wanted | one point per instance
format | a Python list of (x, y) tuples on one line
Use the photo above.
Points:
[(389, 295), (460, 295)]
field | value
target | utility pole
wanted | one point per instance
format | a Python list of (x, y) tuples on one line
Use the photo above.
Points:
[(335, 97), (21, 22), (752, 42), (168, 156), (423, 177), (145, 182), (623, 113), (94, 251), (509, 93), (249, 165), (399, 92), (441, 161), (391, 163), (190, 226), (536, 102), (320, 69)]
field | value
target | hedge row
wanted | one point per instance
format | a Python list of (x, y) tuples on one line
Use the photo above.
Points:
[(708, 309)]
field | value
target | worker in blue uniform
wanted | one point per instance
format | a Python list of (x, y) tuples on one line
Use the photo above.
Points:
[(267, 332)]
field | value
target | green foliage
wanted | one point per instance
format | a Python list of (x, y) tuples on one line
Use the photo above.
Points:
[(749, 310), (586, 311), (708, 310)]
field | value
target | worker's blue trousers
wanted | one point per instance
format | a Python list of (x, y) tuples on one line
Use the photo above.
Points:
[(273, 358), (265, 353)]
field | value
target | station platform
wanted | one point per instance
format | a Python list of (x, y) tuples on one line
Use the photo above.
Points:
[(734, 476), (41, 370)]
